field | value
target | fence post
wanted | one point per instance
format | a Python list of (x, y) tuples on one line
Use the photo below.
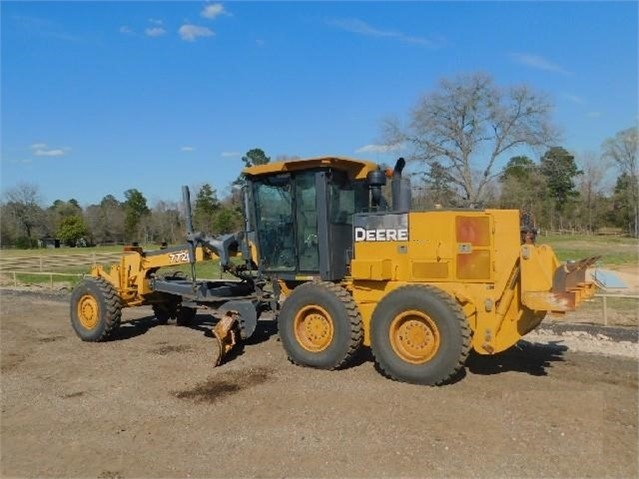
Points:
[(41, 264), (605, 310)]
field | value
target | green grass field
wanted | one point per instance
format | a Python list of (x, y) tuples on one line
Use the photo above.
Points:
[(614, 250)]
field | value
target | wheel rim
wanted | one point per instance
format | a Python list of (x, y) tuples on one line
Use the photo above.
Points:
[(88, 311), (414, 337), (313, 328)]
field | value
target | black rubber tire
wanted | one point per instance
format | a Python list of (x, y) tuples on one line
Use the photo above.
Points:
[(346, 321), (448, 318), (185, 315), (109, 309), (164, 311)]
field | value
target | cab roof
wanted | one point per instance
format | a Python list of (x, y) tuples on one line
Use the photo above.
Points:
[(356, 169)]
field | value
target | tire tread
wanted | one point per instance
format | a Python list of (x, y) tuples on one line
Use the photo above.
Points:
[(466, 333), (112, 314), (354, 317)]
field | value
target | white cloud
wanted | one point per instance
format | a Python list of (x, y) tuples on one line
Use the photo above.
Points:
[(354, 25), (594, 114), (538, 62), (213, 10), (126, 30), (373, 148), (190, 32), (575, 99), (187, 148), (41, 149), (154, 32), (43, 28), (52, 152), (231, 154), (156, 21)]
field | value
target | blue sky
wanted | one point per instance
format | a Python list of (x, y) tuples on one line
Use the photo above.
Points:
[(98, 98)]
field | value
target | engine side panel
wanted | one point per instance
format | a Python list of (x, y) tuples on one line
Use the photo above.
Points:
[(472, 255)]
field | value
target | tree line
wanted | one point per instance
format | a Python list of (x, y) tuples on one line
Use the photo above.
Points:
[(24, 222), (455, 137), (559, 190)]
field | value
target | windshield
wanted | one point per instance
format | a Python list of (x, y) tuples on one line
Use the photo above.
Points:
[(275, 223)]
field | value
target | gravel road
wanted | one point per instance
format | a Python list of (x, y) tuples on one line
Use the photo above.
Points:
[(149, 404)]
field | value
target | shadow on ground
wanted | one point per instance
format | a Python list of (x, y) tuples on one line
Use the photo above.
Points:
[(203, 323), (530, 358)]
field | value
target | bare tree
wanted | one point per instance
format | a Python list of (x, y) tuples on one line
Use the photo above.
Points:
[(166, 224), (622, 149), (468, 123), (591, 188), (23, 206)]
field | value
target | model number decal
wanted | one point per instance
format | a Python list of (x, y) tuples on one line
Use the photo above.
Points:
[(363, 234), (179, 256)]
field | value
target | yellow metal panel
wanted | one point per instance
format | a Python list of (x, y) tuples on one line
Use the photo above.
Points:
[(505, 249), (538, 264), (356, 169), (475, 266), (378, 270), (376, 252), (483, 277), (428, 270)]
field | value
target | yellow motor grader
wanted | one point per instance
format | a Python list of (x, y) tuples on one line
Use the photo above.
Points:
[(340, 267)]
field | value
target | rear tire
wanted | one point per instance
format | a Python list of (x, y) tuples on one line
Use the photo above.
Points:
[(420, 335), (96, 310), (320, 326)]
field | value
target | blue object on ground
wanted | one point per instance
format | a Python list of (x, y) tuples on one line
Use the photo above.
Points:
[(607, 279)]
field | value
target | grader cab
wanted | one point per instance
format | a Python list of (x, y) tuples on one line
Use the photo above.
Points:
[(340, 267)]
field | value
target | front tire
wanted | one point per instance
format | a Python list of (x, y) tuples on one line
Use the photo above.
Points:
[(320, 326), (420, 335), (96, 310)]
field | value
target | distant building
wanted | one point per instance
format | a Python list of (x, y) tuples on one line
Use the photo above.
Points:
[(48, 242)]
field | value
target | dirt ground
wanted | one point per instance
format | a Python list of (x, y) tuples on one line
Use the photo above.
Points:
[(149, 404)]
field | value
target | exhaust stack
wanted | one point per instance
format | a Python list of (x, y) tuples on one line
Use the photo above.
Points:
[(401, 189)]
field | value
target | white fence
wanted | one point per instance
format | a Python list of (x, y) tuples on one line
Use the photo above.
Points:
[(55, 263), (605, 297), (14, 276)]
